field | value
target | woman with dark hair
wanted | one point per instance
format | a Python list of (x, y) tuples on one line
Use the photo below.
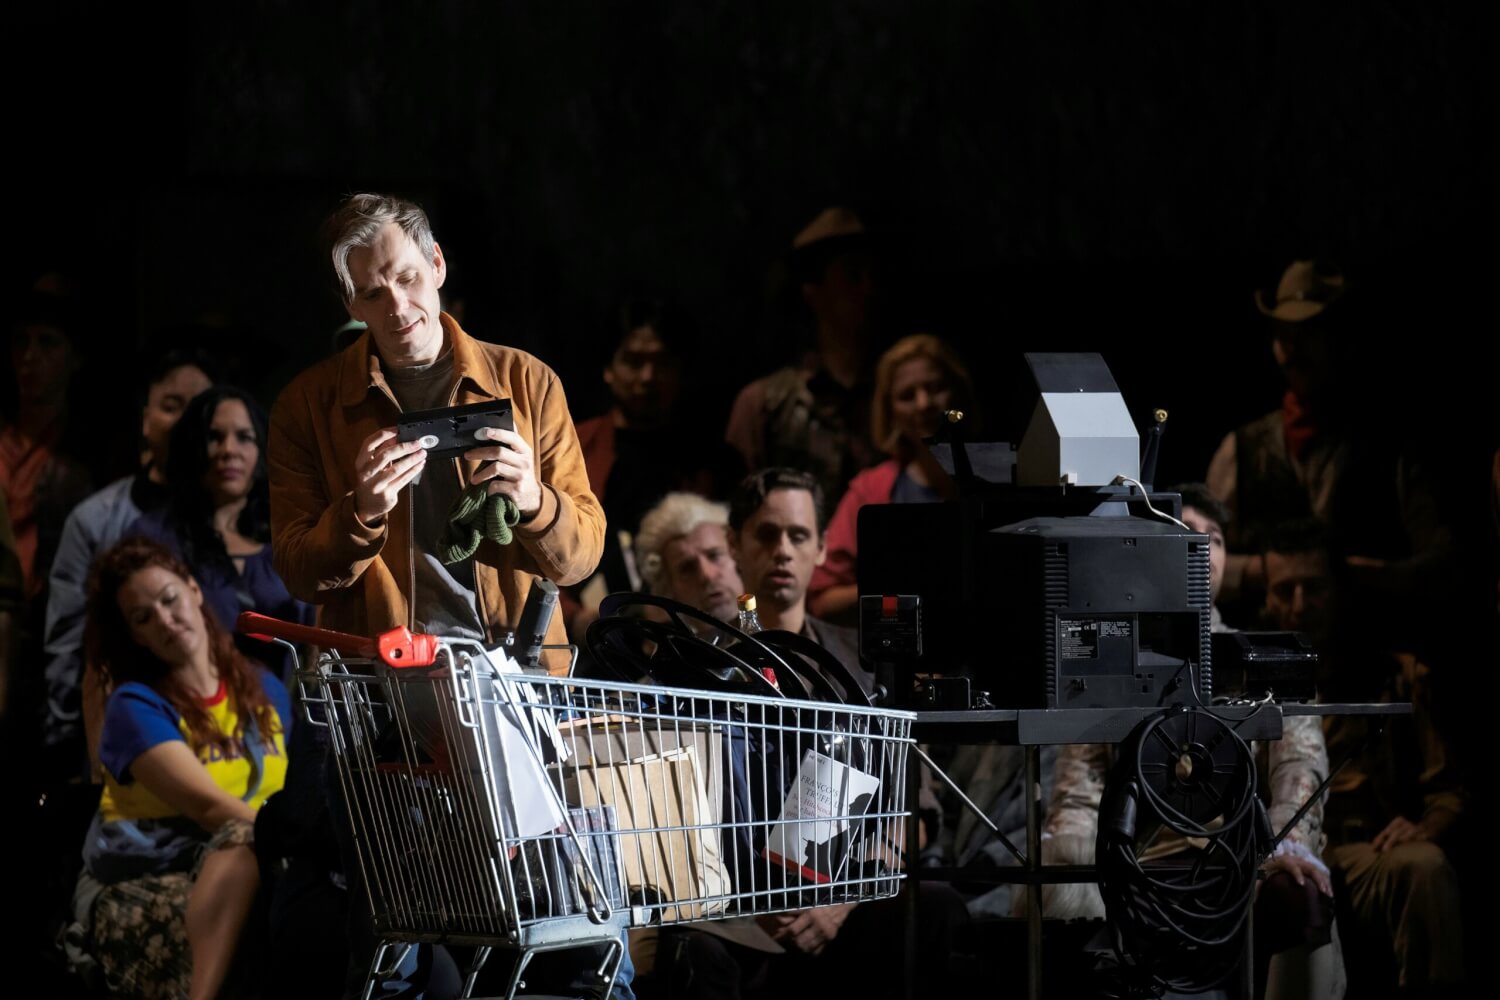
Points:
[(915, 381), (193, 742), (218, 518)]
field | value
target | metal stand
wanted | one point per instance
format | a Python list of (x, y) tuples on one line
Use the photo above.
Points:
[(1033, 729)]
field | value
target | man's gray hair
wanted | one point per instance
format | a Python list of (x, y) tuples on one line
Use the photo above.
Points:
[(359, 220), (676, 515)]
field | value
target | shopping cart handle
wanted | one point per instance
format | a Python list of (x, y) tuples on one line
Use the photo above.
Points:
[(402, 648), (261, 627)]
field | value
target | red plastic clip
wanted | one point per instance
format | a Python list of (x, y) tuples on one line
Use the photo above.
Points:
[(401, 648)]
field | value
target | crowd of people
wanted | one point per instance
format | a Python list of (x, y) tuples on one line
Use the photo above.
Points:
[(159, 734)]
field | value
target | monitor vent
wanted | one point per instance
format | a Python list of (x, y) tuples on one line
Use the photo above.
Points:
[(1200, 596)]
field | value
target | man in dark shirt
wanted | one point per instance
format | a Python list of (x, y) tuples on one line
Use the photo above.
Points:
[(814, 415), (776, 532)]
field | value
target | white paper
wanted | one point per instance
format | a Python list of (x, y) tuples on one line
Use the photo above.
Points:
[(529, 805), (511, 686), (816, 812)]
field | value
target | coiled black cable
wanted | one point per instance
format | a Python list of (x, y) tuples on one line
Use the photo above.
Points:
[(1177, 926)]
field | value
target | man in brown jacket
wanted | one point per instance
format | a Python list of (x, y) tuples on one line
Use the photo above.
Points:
[(357, 517), (347, 533)]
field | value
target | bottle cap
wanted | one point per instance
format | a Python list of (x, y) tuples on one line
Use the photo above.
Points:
[(747, 602)]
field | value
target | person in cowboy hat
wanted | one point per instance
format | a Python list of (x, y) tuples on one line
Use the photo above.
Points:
[(812, 416), (1307, 459)]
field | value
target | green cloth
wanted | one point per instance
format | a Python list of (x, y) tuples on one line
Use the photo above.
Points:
[(475, 516)]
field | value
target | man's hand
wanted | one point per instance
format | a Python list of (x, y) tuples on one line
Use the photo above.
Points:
[(1399, 831), (382, 468), (1300, 869), (509, 467), (807, 931)]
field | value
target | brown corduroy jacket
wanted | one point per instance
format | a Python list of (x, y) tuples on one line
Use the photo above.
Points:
[(360, 576)]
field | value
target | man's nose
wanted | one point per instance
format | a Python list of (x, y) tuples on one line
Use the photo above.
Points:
[(392, 301)]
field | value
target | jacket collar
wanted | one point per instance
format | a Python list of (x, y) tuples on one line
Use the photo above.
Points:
[(360, 371)]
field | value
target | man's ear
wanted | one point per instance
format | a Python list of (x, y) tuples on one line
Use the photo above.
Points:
[(822, 549), (439, 266)]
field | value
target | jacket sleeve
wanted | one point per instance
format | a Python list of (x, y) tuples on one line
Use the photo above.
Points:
[(1298, 763), (66, 601), (566, 538), (317, 543), (1441, 781), (747, 425), (1077, 788)]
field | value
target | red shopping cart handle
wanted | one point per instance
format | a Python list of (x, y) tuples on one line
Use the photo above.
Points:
[(398, 647), (264, 628)]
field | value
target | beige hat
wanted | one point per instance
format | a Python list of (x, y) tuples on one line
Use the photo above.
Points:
[(831, 223), (1306, 289)]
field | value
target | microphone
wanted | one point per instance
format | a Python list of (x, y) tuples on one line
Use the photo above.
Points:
[(536, 616)]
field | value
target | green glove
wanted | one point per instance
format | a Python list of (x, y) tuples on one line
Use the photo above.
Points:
[(474, 517)]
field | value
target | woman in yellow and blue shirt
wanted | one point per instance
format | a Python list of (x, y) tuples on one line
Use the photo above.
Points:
[(193, 742)]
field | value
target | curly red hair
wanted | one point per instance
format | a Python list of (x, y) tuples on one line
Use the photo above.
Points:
[(112, 650)]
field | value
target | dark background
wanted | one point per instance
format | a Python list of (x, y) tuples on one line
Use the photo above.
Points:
[(1043, 176)]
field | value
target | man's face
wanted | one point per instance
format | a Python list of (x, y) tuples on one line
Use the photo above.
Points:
[(841, 298), (643, 376), (778, 548), (1298, 595), (1304, 353), (43, 360), (701, 573), (164, 404), (396, 296), (1204, 525)]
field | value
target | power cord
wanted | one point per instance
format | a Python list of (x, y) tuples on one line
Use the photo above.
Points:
[(1126, 480)]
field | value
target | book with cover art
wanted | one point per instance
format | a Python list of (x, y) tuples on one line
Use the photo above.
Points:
[(822, 817), (598, 832)]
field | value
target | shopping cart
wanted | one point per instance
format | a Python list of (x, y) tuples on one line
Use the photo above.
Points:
[(492, 807)]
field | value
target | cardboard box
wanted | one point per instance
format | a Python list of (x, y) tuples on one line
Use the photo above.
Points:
[(666, 787)]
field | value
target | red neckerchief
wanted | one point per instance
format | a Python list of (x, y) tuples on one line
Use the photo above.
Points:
[(1298, 423)]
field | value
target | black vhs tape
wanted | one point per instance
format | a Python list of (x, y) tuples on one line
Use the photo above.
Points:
[(454, 426)]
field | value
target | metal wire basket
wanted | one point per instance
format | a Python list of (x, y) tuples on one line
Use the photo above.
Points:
[(495, 807)]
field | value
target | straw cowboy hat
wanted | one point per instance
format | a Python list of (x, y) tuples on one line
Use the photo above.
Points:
[(1305, 290), (831, 223)]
